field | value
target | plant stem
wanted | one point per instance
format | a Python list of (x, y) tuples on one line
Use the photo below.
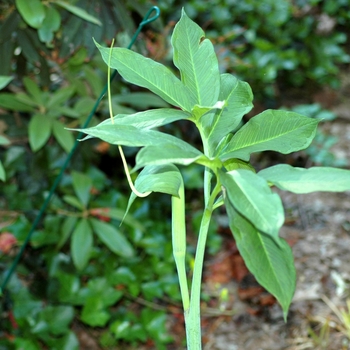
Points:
[(192, 317)]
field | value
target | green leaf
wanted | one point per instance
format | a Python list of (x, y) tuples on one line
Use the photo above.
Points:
[(33, 12), (127, 135), (112, 238), (157, 178), (60, 96), (68, 342), (58, 318), (238, 99), (2, 172), (168, 153), (4, 80), (66, 229), (78, 12), (39, 131), (254, 200), (10, 101), (152, 118), (81, 244), (99, 295), (74, 202), (82, 185), (63, 137), (271, 263), (51, 24), (299, 180), (197, 61), (271, 130), (199, 111), (233, 164), (149, 74), (141, 100), (34, 91)]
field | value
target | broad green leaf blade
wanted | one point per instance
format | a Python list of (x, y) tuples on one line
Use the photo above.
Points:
[(63, 137), (82, 185), (39, 131), (127, 135), (167, 153), (4, 80), (33, 89), (150, 119), (197, 61), (78, 12), (51, 24), (238, 99), (157, 178), (299, 180), (81, 244), (272, 264), (33, 12), (254, 200), (112, 238), (149, 74), (11, 102), (271, 130)]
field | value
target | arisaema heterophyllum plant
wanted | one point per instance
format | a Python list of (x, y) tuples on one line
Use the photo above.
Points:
[(216, 104)]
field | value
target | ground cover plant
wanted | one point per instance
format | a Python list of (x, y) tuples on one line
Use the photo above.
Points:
[(215, 103)]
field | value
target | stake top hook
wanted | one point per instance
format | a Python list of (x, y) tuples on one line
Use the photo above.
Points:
[(147, 19)]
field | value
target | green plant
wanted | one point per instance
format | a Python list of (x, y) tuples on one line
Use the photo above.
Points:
[(215, 103), (274, 45)]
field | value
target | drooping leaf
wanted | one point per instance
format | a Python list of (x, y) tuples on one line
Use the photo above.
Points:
[(149, 119), (81, 244), (39, 131), (157, 178), (63, 137), (82, 185), (33, 12), (197, 61), (254, 200), (238, 99), (50, 25), (168, 153), (273, 130), (78, 12), (112, 238), (271, 263), (149, 74), (299, 180)]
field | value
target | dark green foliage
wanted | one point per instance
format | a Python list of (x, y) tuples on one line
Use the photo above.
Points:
[(274, 44)]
